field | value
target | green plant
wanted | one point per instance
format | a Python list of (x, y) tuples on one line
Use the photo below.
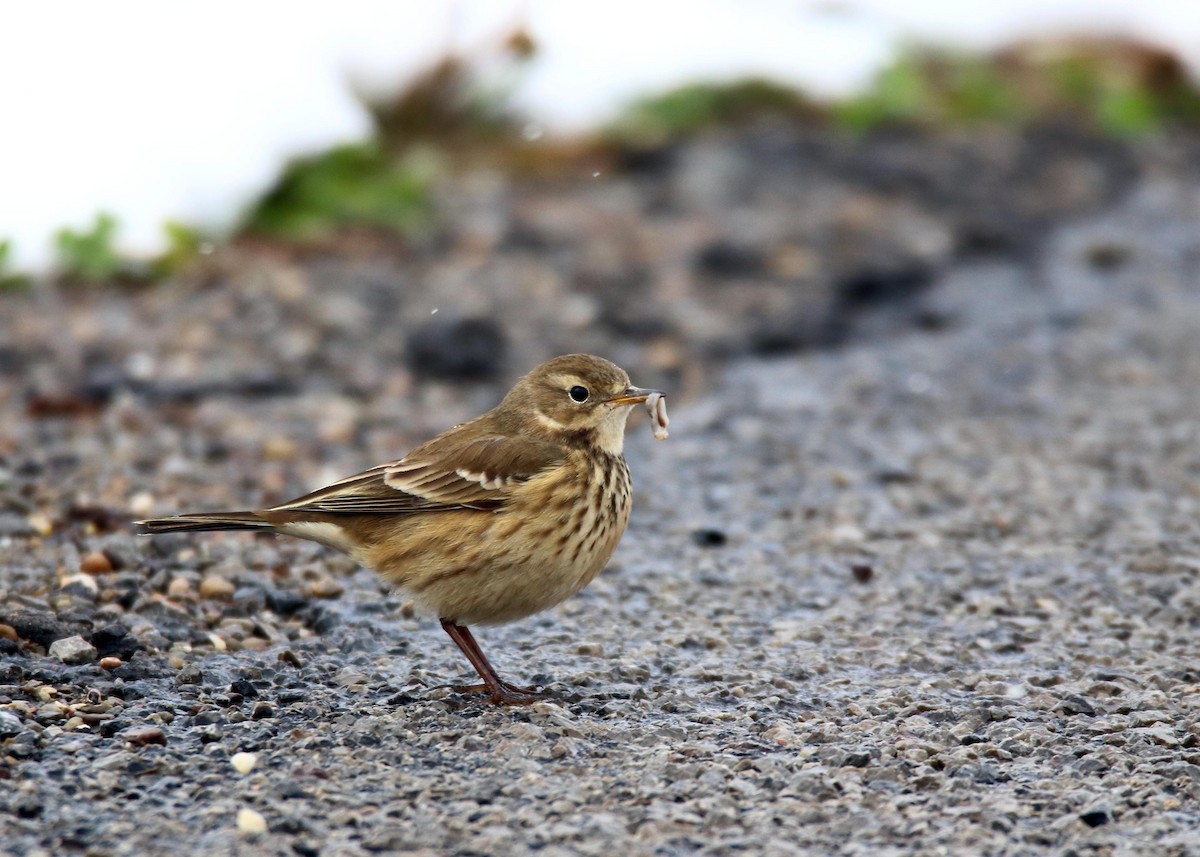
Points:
[(456, 109), (934, 87), (1116, 86), (90, 255), (354, 185), (9, 278), (695, 107), (183, 247)]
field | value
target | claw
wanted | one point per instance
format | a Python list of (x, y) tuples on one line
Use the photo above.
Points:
[(501, 692)]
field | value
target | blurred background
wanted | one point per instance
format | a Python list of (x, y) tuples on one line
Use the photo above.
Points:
[(205, 198), (188, 112)]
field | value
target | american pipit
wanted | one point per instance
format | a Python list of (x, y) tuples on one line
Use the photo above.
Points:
[(494, 520)]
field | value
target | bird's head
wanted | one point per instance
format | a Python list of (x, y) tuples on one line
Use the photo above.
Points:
[(575, 398)]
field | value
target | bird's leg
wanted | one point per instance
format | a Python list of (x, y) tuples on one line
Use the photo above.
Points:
[(502, 693)]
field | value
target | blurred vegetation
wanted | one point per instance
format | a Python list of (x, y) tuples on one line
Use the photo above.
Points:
[(184, 245), (938, 89), (92, 256), (1112, 86), (460, 112), (386, 182), (89, 255), (701, 106), (359, 185), (10, 279)]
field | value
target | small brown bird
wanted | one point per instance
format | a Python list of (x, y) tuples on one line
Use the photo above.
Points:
[(494, 520)]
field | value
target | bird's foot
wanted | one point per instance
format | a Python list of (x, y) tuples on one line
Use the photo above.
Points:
[(503, 693)]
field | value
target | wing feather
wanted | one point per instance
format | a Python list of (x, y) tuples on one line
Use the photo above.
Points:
[(441, 474)]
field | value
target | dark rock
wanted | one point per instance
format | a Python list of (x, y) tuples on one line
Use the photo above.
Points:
[(141, 668), (646, 160), (707, 537), (1097, 815), (459, 349), (244, 688), (190, 674), (284, 602), (28, 807), (319, 618), (261, 385), (40, 628), (1075, 704), (862, 572), (109, 728), (114, 639), (856, 759), (287, 656), (262, 711), (882, 285), (726, 259)]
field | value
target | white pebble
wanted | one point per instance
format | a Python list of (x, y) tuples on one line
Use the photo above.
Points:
[(243, 763), (251, 822)]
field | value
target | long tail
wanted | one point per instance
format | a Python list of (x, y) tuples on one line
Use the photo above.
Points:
[(202, 521)]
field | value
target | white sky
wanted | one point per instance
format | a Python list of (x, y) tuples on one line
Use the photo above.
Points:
[(156, 109)]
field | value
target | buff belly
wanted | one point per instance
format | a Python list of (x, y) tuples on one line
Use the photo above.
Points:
[(482, 568)]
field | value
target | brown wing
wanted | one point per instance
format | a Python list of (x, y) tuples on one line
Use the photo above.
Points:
[(442, 474)]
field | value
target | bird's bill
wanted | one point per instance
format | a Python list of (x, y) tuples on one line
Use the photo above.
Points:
[(633, 396)]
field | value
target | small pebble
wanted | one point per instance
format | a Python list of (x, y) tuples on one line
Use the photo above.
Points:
[(216, 587), (110, 663), (95, 563), (250, 822), (73, 650), (145, 735), (326, 587), (190, 674), (279, 448), (862, 572), (179, 588), (80, 585), (243, 763), (142, 504), (8, 632)]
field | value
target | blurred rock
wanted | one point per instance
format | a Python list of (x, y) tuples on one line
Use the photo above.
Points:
[(457, 349)]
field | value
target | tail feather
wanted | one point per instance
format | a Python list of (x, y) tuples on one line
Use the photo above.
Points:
[(202, 521)]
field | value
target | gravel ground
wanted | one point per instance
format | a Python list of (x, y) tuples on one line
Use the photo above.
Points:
[(933, 590)]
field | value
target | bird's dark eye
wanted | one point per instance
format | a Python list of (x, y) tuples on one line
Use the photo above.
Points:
[(578, 394)]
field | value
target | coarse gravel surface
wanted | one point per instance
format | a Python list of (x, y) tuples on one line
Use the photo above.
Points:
[(930, 591)]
